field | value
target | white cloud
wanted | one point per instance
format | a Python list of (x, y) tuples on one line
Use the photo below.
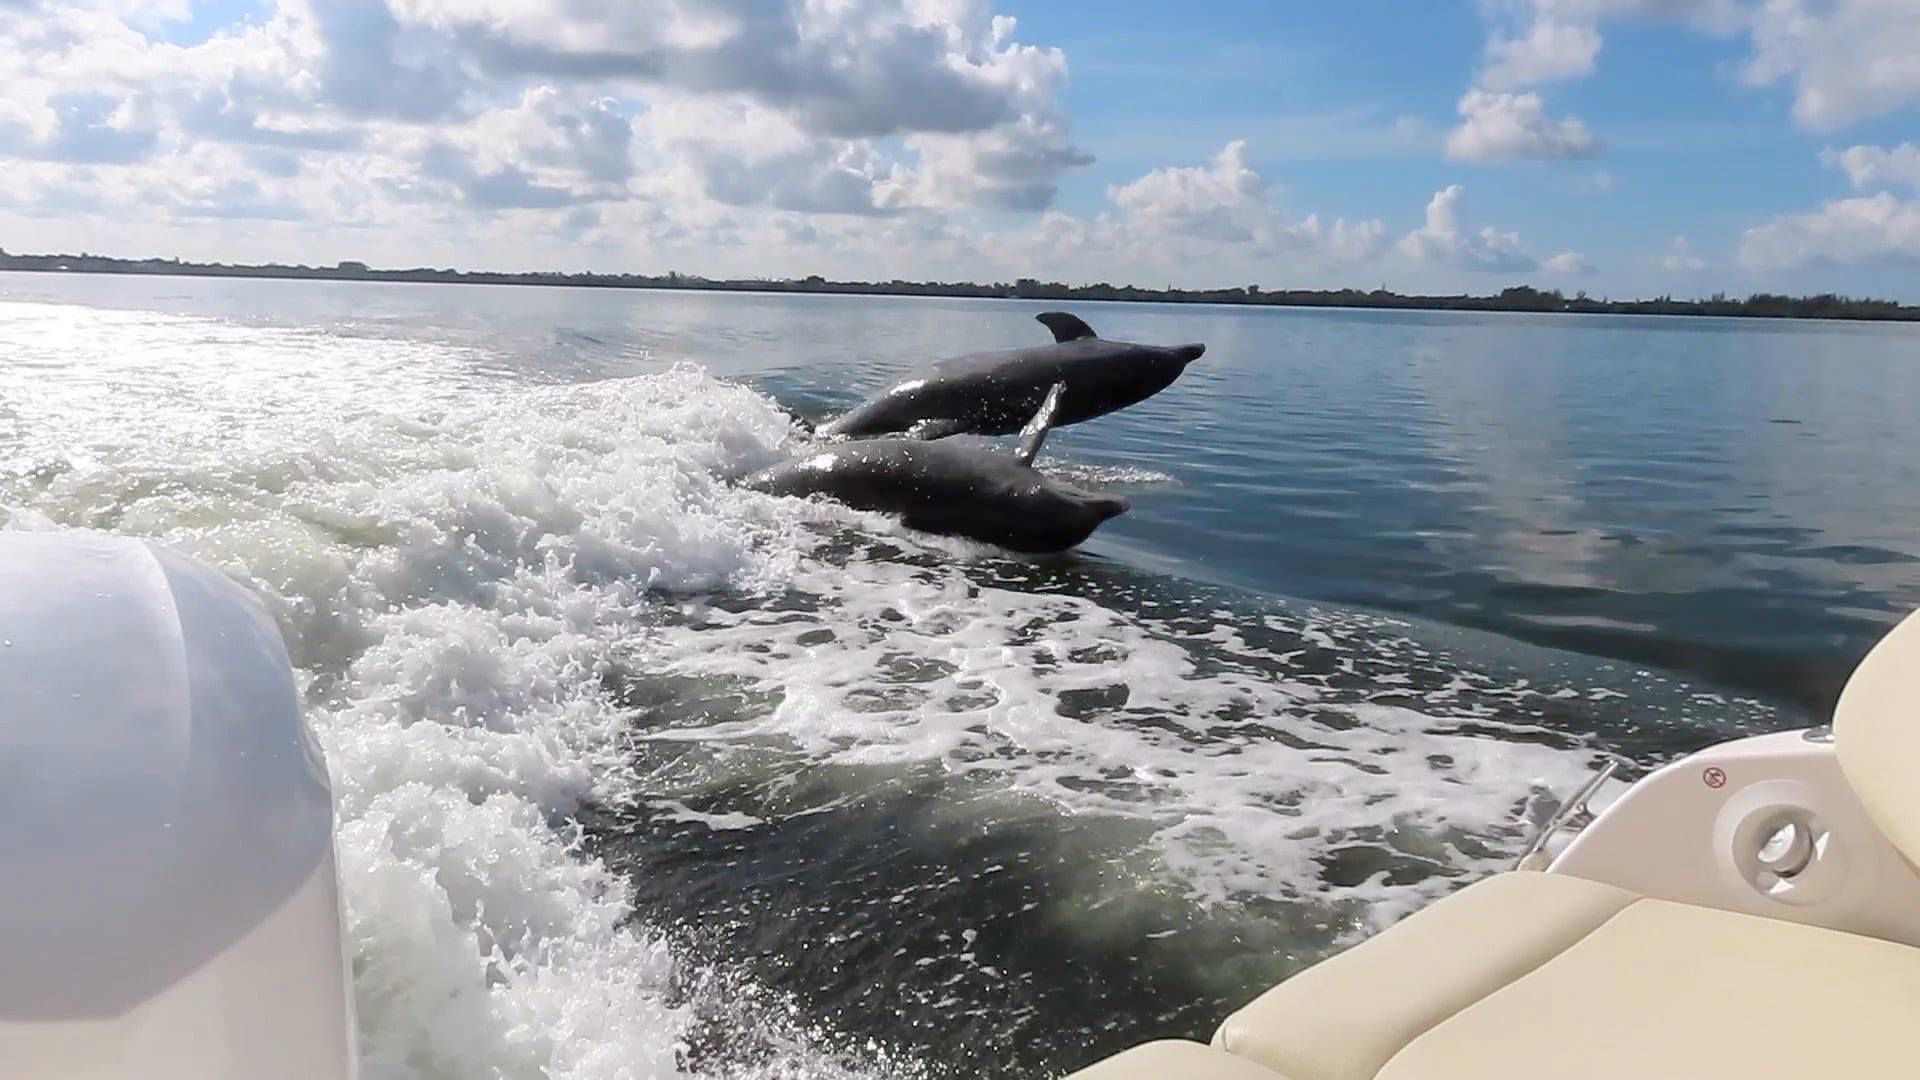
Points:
[(1446, 241), (1228, 201), (1847, 59), (1680, 258), (1878, 166), (851, 69), (85, 129), (1540, 41), (1223, 200), (1877, 228), (742, 154), (1010, 167), (1533, 42), (1506, 127), (857, 107), (1343, 243), (1213, 224), (549, 150), (1549, 51), (509, 134), (1568, 262)]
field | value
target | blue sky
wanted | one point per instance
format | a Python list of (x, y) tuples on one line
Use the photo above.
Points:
[(1624, 147), (1690, 149)]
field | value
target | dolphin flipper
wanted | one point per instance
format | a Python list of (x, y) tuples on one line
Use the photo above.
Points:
[(1065, 327), (1036, 430)]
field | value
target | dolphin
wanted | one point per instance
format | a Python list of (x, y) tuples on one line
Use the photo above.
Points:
[(954, 489), (993, 393)]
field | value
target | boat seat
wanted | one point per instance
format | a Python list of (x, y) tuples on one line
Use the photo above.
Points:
[(1175, 1059), (1547, 975)]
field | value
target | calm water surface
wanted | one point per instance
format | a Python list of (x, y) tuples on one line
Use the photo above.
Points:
[(862, 803)]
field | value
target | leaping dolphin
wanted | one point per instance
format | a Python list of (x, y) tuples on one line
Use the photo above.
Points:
[(993, 393), (954, 489)]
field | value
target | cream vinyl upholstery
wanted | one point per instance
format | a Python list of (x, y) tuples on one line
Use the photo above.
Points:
[(1343, 1019), (1174, 1059), (1876, 729), (1666, 989), (1529, 975)]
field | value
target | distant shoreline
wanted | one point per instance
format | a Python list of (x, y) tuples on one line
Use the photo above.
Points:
[(1517, 298)]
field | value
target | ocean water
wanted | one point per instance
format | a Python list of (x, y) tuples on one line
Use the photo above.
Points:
[(640, 774)]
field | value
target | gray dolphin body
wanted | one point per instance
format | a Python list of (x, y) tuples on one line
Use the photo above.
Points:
[(953, 489), (994, 393)]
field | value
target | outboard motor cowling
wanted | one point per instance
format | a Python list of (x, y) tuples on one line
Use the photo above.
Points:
[(169, 908)]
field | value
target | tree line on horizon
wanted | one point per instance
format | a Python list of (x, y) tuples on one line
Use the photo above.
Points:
[(1513, 298)]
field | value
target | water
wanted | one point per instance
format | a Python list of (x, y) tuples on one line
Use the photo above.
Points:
[(643, 775)]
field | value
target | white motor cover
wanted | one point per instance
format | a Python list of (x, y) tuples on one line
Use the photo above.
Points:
[(168, 904)]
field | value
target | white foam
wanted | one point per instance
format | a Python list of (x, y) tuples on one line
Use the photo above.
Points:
[(673, 810), (1248, 777), (454, 570)]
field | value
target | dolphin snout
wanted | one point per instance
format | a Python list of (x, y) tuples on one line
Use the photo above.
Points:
[(1112, 506), (1189, 353)]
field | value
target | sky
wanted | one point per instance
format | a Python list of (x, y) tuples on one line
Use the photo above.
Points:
[(1617, 147)]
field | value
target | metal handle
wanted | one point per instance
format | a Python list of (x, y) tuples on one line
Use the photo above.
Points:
[(1534, 856)]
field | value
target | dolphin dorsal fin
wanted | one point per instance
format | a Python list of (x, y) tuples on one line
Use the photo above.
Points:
[(1065, 327), (1036, 430)]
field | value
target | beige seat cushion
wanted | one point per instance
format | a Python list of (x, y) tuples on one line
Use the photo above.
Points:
[(1877, 740), (1672, 990), (1174, 1059), (1343, 1019)]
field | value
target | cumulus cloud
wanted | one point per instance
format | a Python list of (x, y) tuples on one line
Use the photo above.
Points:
[(865, 108), (85, 129), (1446, 241), (1549, 51), (502, 187), (1223, 200), (1542, 41), (978, 109), (1568, 262), (1878, 166), (1228, 201), (742, 154), (1342, 242), (233, 199), (854, 68), (1878, 228), (1534, 42), (1216, 223), (1010, 167), (1847, 59), (1507, 127), (372, 65), (1680, 258)]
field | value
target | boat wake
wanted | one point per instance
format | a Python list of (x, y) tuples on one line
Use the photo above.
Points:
[(544, 640)]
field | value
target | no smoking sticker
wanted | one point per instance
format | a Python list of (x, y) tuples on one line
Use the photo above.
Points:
[(1715, 776)]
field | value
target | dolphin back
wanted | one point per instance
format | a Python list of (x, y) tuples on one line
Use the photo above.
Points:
[(952, 489), (995, 393)]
